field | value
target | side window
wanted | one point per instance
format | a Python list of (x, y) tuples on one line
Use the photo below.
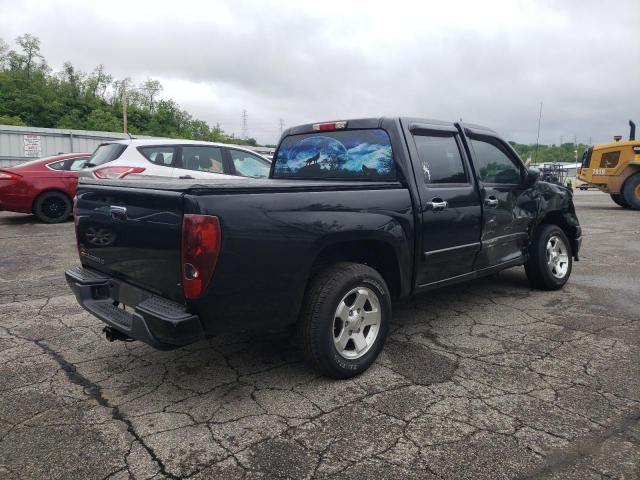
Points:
[(440, 158), (201, 158), (77, 164), (610, 159), (249, 165), (57, 165), (160, 155), (493, 165)]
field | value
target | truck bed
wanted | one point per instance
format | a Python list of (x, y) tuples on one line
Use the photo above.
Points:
[(240, 185)]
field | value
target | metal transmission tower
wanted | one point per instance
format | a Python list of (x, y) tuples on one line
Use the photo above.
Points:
[(245, 118), (281, 126)]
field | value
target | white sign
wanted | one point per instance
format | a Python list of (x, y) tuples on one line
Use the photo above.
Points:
[(32, 146)]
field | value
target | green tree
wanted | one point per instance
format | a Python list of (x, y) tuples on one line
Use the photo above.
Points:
[(30, 46), (13, 120), (103, 121), (30, 94)]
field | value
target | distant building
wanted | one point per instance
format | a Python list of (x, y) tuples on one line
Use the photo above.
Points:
[(19, 144)]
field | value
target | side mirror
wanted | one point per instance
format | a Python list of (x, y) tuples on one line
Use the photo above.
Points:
[(532, 176)]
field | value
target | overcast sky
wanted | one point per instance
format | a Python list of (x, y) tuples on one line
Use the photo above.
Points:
[(488, 62)]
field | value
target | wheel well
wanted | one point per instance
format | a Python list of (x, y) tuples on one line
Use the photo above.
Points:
[(50, 190), (378, 255), (556, 218)]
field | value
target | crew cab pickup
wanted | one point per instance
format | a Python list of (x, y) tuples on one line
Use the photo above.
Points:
[(353, 215)]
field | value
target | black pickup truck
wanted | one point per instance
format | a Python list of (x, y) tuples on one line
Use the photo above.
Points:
[(355, 213)]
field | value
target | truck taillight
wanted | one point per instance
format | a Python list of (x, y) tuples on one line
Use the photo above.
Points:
[(116, 172), (201, 237)]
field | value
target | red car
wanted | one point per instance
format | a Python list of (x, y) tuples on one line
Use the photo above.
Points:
[(44, 187)]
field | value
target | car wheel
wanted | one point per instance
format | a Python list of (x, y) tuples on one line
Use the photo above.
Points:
[(550, 259), (345, 319), (52, 207), (619, 199), (631, 191)]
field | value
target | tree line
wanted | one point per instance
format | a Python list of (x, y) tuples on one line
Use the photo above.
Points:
[(567, 152), (33, 94)]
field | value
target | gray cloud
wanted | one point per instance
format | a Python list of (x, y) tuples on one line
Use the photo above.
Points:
[(489, 64)]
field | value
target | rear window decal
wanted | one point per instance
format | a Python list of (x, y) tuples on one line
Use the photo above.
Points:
[(342, 154)]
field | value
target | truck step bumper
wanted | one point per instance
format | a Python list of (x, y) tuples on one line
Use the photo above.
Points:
[(154, 320)]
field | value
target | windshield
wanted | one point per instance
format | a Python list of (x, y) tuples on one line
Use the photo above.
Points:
[(347, 154), (107, 152)]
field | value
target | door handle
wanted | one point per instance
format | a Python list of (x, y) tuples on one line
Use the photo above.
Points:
[(437, 204), (491, 202), (185, 177), (118, 213)]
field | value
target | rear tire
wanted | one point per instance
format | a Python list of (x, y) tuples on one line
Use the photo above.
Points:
[(345, 319), (550, 258), (631, 191), (619, 199), (52, 207)]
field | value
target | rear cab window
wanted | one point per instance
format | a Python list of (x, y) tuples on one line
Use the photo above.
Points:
[(105, 153), (364, 154)]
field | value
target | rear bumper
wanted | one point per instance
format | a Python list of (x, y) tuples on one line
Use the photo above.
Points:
[(15, 203), (154, 320)]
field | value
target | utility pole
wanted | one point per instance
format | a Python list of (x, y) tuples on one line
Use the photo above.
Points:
[(535, 152), (124, 104), (281, 126), (245, 122)]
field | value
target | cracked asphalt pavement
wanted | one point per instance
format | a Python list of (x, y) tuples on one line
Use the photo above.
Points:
[(487, 380)]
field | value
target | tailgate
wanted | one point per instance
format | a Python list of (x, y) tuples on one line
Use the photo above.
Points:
[(132, 234)]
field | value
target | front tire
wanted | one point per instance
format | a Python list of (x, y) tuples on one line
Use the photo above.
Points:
[(618, 198), (631, 191), (345, 319), (550, 258), (52, 207)]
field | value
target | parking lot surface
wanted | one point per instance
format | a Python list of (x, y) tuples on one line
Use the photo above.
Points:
[(484, 380)]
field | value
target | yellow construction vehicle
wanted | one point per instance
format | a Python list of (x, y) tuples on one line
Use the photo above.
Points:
[(614, 168)]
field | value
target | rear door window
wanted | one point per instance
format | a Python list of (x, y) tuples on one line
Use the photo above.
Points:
[(249, 165), (162, 156), (440, 158), (202, 159), (58, 165), (344, 155)]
